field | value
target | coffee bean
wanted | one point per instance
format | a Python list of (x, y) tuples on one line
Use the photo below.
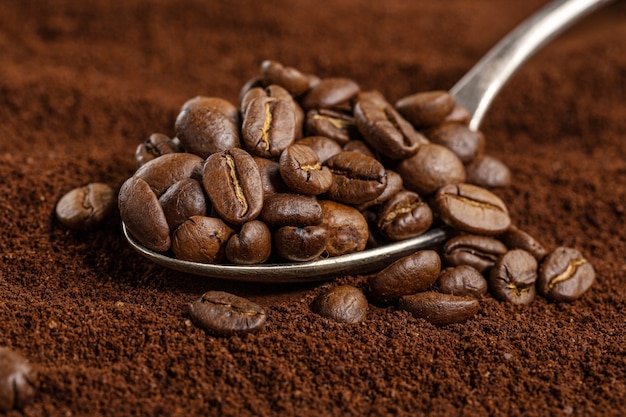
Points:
[(269, 126), (285, 209), (201, 239), (462, 280), (302, 171), (404, 215), (359, 146), (344, 303), (324, 147), (157, 144), (513, 277), (425, 109), (565, 275), (488, 172), (85, 208), (252, 245), (225, 314), (335, 125), (233, 184), (289, 78), (347, 228), (459, 138), (394, 186), (472, 209), (480, 252), (330, 93), (515, 238), (271, 180), (215, 104), (16, 380), (301, 243), (438, 308), (432, 167), (182, 200), (459, 114), (408, 275), (356, 178), (163, 172)]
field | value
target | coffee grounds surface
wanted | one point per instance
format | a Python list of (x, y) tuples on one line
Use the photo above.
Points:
[(108, 332)]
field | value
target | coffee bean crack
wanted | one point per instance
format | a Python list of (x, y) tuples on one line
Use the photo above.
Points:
[(230, 161), (568, 273)]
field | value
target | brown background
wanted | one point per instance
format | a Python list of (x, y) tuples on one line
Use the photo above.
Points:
[(82, 83)]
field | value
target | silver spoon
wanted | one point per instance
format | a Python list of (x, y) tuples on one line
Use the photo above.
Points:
[(475, 91)]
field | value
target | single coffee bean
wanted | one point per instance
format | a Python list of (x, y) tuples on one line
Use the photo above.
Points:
[(163, 172), (344, 303), (324, 147), (143, 215), (201, 239), (335, 125), (269, 126), (480, 252), (565, 275), (329, 93), (16, 380), (426, 109), (233, 184), (302, 171), (462, 280), (289, 78), (488, 172), (347, 228), (252, 245), (404, 215), (459, 138), (515, 238), (356, 178), (301, 243), (459, 114), (438, 308), (271, 180), (285, 209), (86, 208), (355, 145), (224, 314), (157, 144), (254, 82), (407, 275), (432, 167), (384, 129), (513, 277), (182, 200), (225, 107), (394, 186), (472, 209)]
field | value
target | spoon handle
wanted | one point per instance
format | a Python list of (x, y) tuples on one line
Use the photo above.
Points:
[(476, 90)]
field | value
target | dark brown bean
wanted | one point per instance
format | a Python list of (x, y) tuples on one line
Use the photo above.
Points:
[(480, 252), (565, 275), (157, 144), (329, 93), (459, 114), (163, 172), (218, 104), (252, 245), (182, 200), (285, 209), (427, 108), (438, 308), (462, 280), (85, 208), (224, 314), (513, 277), (404, 215), (269, 126), (356, 178), (344, 303), (16, 380), (335, 125), (201, 239), (460, 139), (302, 171), (289, 78), (301, 243), (270, 177), (394, 185), (488, 172), (515, 238), (324, 147), (347, 228), (359, 146)]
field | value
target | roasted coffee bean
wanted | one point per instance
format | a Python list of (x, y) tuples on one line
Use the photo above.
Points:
[(16, 380), (513, 277), (344, 303), (182, 200), (143, 215), (302, 171), (330, 93), (404, 215), (480, 252), (488, 172), (252, 83), (426, 109), (252, 245), (432, 167), (286, 209), (384, 129), (459, 114), (462, 280), (515, 238), (394, 185), (269, 126), (438, 308), (233, 184), (565, 275), (225, 107), (86, 208), (408, 275), (203, 130), (224, 314), (271, 180), (163, 172), (335, 125), (356, 178), (157, 144), (472, 209), (289, 78), (324, 147), (301, 243), (360, 147), (201, 239), (459, 138), (347, 228)]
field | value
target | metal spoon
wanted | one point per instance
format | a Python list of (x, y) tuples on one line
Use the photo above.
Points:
[(475, 91)]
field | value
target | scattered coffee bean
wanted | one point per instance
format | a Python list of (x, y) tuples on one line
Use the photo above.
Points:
[(480, 252), (302, 171), (426, 109), (404, 215), (565, 275), (515, 238), (16, 380), (347, 228), (225, 314), (488, 172), (462, 280), (201, 239), (85, 208), (252, 245), (344, 303), (356, 178), (513, 277), (438, 308)]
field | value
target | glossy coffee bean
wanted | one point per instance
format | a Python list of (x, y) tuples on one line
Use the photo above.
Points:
[(356, 145), (201, 239), (347, 228), (432, 167), (301, 244), (182, 200), (269, 126), (233, 183), (462, 280), (513, 277), (330, 93), (472, 209), (488, 172), (459, 114), (218, 104), (324, 147), (438, 308), (394, 186), (252, 245), (344, 304), (408, 275), (404, 215), (224, 314), (271, 180), (286, 209), (459, 138), (565, 275), (86, 208), (302, 171), (157, 144), (515, 238), (143, 215), (426, 109), (279, 93), (332, 124), (163, 172), (289, 78), (16, 380), (356, 178), (480, 252)]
